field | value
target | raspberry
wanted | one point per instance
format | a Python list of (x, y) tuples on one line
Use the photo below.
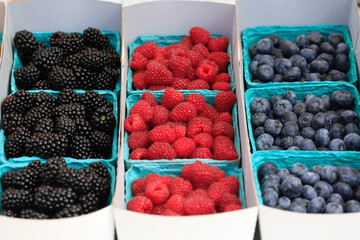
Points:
[(180, 186), (180, 83), (187, 170), (202, 176), (167, 180), (223, 128), (158, 210), (196, 99), (200, 49), (150, 98), (207, 71), (160, 53), (232, 183), (198, 84), (139, 62), (144, 109), (140, 204), (184, 147), (162, 133), (179, 66), (227, 199), (194, 57), (171, 98), (175, 124), (186, 41), (183, 112), (139, 154), (199, 35), (199, 206), (223, 77), (161, 150), (224, 149), (176, 50), (216, 191), (147, 50), (201, 152), (224, 101), (139, 140), (191, 74), (161, 116), (221, 86), (138, 186), (198, 193), (217, 172), (232, 207), (203, 140), (134, 123), (221, 59), (157, 87), (139, 80), (209, 112), (224, 117), (199, 125), (152, 178), (180, 131), (158, 74), (157, 192), (168, 212), (175, 204), (218, 44)]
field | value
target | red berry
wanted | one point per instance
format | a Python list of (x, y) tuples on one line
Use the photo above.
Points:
[(224, 117), (224, 149), (176, 50), (175, 204), (223, 77), (180, 83), (202, 176), (199, 125), (168, 212), (139, 62), (198, 84), (232, 207), (151, 177), (207, 71), (175, 124), (209, 112), (199, 35), (180, 186), (134, 123), (167, 180), (218, 44), (138, 186), (150, 98), (221, 59), (160, 53), (157, 74), (184, 147), (221, 86), (196, 99), (180, 131), (201, 152), (139, 140), (161, 150), (179, 66), (216, 191), (232, 183), (171, 98), (161, 116), (183, 112), (162, 133), (186, 41), (217, 172), (223, 128), (198, 193), (201, 49), (157, 192), (203, 140), (191, 74), (158, 210), (194, 57), (228, 199), (157, 87), (139, 154), (147, 50), (224, 101), (139, 80), (140, 204), (144, 109), (199, 206)]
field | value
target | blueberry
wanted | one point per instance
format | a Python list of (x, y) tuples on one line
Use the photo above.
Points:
[(357, 193), (297, 207), (282, 173), (352, 142), (327, 101), (271, 183), (349, 116), (302, 41), (344, 190), (257, 57), (308, 98), (273, 127), (299, 108), (316, 169), (310, 178), (328, 173), (319, 66), (276, 53), (252, 50), (337, 145), (349, 175), (291, 96), (305, 120), (267, 168), (271, 114), (265, 73), (335, 38), (316, 37), (278, 78), (258, 119), (298, 140), (304, 202), (322, 137), (257, 81), (287, 142), (321, 120), (253, 67), (336, 75), (259, 105), (282, 106), (315, 105), (293, 148), (342, 63), (335, 198), (298, 169), (352, 206), (351, 128), (277, 141), (307, 145), (327, 58), (313, 77), (270, 197), (291, 187), (315, 48), (284, 202), (267, 59), (308, 132), (322, 149), (264, 46), (288, 117), (274, 99), (289, 48), (271, 175), (299, 61), (264, 141), (323, 189), (317, 205), (282, 65), (342, 99), (275, 39), (334, 118), (290, 129), (334, 208), (309, 54), (272, 148), (326, 47), (342, 48), (258, 131)]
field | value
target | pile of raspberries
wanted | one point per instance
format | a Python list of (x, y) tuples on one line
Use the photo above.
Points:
[(196, 62), (201, 189)]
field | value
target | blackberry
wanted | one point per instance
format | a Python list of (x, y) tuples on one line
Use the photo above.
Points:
[(61, 78), (55, 38), (43, 98), (101, 141), (71, 43), (6, 179), (93, 59), (26, 77), (46, 59), (44, 125), (65, 125), (101, 170), (35, 114), (49, 199), (72, 110), (90, 202), (107, 79), (41, 85), (93, 100), (86, 78), (16, 199), (25, 42), (94, 38), (101, 187), (26, 178), (46, 145), (19, 102), (32, 214), (80, 147), (11, 122), (51, 169), (80, 181), (100, 155), (15, 143), (71, 211), (68, 96), (35, 165), (113, 58), (71, 61), (8, 213), (103, 120), (83, 127)]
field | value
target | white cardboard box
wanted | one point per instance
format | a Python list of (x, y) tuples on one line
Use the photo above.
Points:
[(56, 15), (176, 18), (276, 223)]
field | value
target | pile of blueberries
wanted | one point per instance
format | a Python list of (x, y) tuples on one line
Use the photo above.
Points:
[(309, 58), (327, 189), (320, 123)]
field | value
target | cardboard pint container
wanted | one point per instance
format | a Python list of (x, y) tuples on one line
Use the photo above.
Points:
[(177, 18), (294, 13), (50, 16)]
